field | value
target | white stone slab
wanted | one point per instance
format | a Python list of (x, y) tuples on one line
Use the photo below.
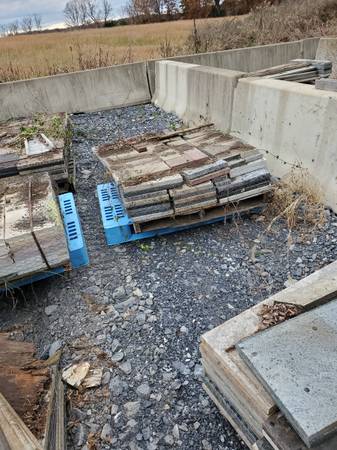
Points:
[(296, 362)]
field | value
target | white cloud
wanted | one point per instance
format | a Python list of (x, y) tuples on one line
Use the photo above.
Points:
[(50, 10)]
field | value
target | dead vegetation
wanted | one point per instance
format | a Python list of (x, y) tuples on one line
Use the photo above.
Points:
[(288, 21), (298, 199), (272, 315)]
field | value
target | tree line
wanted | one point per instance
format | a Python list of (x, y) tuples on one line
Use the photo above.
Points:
[(141, 11), (27, 24), (86, 12)]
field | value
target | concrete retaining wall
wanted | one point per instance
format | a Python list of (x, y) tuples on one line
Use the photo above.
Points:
[(247, 59), (195, 93), (89, 90), (294, 122)]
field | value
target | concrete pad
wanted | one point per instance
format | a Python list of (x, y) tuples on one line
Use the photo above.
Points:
[(296, 363)]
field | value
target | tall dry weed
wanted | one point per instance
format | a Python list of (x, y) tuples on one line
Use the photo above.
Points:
[(288, 21), (298, 199)]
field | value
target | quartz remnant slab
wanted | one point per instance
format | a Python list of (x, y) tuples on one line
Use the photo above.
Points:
[(296, 363)]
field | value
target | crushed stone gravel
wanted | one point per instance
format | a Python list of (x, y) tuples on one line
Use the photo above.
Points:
[(138, 311)]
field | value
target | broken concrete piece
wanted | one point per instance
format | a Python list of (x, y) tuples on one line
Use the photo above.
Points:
[(75, 374)]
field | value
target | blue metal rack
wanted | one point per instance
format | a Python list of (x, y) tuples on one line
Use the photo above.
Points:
[(76, 245), (118, 227)]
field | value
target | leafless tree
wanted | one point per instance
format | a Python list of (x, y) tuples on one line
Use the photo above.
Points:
[(106, 10), (27, 24), (72, 13), (13, 27), (81, 12), (37, 21), (93, 12), (4, 30)]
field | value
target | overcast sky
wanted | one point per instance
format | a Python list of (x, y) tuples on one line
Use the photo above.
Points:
[(50, 10)]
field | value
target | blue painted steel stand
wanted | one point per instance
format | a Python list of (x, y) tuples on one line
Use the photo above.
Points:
[(118, 227), (76, 245)]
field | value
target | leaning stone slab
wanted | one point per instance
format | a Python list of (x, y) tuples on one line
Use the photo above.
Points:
[(296, 362)]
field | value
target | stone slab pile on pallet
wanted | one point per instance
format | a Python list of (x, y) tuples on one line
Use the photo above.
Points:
[(195, 171), (270, 369), (32, 236), (299, 70), (38, 144)]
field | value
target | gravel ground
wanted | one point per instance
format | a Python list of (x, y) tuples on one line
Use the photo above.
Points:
[(139, 310)]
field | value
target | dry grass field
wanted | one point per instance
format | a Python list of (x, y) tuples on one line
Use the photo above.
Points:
[(27, 56)]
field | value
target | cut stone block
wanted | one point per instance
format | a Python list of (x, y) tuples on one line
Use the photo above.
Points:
[(192, 174), (169, 182), (189, 157), (219, 149), (256, 165), (296, 362)]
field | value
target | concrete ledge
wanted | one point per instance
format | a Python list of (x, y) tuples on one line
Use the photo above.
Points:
[(88, 90), (196, 94), (295, 122)]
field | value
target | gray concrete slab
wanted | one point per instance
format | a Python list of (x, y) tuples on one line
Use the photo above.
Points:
[(296, 361)]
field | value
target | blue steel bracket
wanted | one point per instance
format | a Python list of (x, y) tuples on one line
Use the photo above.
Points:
[(76, 245)]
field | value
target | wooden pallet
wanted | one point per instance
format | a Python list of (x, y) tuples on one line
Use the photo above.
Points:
[(32, 236), (25, 149), (235, 390)]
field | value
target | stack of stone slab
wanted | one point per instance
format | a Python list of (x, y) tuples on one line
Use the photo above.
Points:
[(185, 173), (38, 144), (298, 70), (32, 236), (270, 369)]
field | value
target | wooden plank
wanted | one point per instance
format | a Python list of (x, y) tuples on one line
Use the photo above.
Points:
[(14, 431), (245, 195), (281, 436), (213, 213), (249, 415), (230, 414), (240, 379), (47, 223), (25, 255), (15, 353)]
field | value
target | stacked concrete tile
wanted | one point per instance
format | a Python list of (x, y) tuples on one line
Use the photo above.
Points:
[(193, 172), (150, 200), (269, 370), (38, 144), (298, 70)]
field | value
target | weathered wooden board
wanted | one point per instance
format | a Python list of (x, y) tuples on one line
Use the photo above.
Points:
[(14, 433), (31, 231)]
